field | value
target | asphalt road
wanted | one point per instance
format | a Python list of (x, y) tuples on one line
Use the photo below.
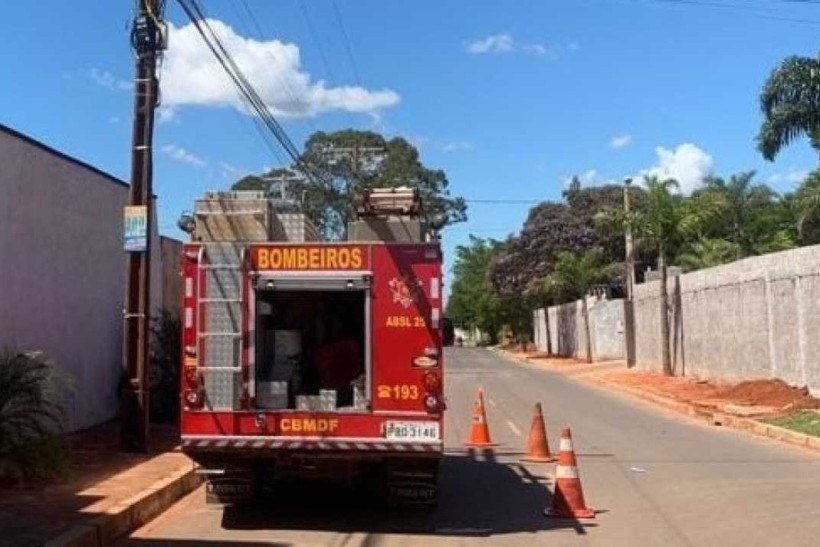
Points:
[(653, 478)]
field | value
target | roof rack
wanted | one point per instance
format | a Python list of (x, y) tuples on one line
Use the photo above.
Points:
[(401, 201)]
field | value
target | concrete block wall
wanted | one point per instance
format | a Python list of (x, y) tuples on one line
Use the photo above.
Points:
[(566, 329), (754, 318)]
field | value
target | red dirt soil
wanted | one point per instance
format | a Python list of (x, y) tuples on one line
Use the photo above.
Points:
[(770, 393), (773, 393)]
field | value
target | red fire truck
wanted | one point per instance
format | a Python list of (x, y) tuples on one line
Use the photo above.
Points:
[(305, 358)]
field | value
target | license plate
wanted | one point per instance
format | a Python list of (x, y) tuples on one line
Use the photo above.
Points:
[(411, 431)]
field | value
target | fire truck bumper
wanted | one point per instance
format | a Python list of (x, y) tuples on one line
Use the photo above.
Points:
[(251, 446)]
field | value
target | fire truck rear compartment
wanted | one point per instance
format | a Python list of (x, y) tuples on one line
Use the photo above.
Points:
[(310, 349)]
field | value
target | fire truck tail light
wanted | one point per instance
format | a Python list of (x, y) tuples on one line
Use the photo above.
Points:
[(431, 352), (191, 376), (422, 361), (190, 351), (193, 398), (432, 403), (432, 381)]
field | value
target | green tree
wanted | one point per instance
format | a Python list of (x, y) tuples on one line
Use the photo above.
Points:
[(587, 202), (572, 276), (806, 202), (790, 101), (472, 302), (707, 253), (266, 181), (749, 215), (346, 162), (667, 222), (342, 163)]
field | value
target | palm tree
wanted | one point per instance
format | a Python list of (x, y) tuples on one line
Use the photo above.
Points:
[(668, 222), (706, 253), (743, 210), (807, 202), (665, 222), (572, 276), (790, 101)]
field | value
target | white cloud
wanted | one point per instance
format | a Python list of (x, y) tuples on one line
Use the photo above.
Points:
[(227, 170), (688, 164), (457, 146), (106, 79), (620, 141), (181, 155), (505, 43), (792, 176), (192, 76), (537, 49), (497, 43), (588, 178)]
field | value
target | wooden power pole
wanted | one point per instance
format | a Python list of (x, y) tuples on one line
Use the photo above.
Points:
[(629, 282), (147, 39)]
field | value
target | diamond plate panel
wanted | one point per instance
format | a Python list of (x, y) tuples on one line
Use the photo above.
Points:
[(223, 317), (222, 351), (223, 283), (221, 390), (224, 253)]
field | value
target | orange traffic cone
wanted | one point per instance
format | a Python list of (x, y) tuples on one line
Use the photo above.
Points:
[(568, 501), (538, 447), (479, 431)]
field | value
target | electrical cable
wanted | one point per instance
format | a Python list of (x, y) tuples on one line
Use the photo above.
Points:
[(348, 46), (247, 92), (751, 10), (316, 41), (260, 35)]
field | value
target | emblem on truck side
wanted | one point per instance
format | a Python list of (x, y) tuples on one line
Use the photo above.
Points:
[(405, 290)]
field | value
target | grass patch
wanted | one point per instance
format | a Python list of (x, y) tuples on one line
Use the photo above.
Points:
[(803, 421)]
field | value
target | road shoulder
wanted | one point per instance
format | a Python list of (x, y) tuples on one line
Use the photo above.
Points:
[(599, 375)]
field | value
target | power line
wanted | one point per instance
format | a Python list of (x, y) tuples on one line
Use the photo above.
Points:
[(247, 92), (506, 201), (752, 10), (316, 41), (348, 47), (260, 35)]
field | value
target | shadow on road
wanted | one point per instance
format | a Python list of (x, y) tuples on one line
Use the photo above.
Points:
[(479, 497)]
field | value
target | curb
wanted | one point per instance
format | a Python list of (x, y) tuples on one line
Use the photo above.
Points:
[(749, 425), (130, 514)]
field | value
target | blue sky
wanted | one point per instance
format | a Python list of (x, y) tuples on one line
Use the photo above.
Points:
[(509, 98)]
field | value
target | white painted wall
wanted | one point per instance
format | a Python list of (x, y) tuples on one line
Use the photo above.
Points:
[(62, 270)]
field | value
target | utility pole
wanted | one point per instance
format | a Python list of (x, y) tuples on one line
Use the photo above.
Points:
[(629, 282), (148, 40)]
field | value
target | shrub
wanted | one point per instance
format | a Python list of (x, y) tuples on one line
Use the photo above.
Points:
[(164, 366), (31, 420)]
